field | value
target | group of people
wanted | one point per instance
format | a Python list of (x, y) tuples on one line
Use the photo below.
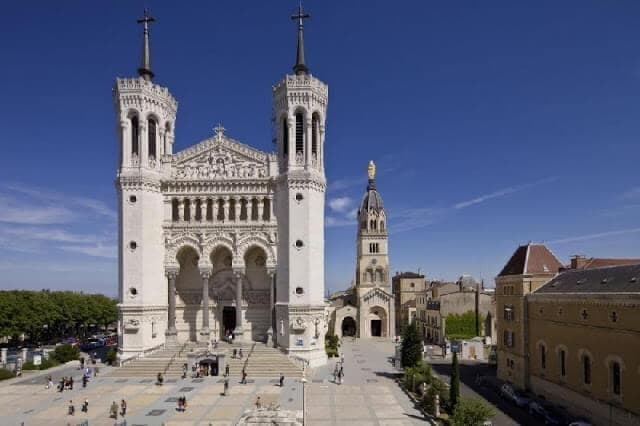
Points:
[(72, 408), (66, 383), (182, 404), (113, 411), (237, 353)]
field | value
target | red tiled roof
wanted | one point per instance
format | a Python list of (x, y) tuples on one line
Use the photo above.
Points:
[(596, 262), (532, 259)]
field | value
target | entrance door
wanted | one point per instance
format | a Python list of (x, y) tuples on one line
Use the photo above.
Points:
[(228, 319), (376, 328), (348, 327)]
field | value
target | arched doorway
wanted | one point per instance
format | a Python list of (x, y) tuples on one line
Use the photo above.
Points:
[(188, 295), (348, 327), (377, 322)]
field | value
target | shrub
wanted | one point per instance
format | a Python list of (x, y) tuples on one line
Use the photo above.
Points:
[(438, 387), (6, 374), (471, 412), (66, 353), (30, 366), (112, 356), (331, 345), (48, 363), (411, 347)]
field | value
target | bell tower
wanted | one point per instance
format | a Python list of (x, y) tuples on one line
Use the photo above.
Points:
[(145, 119), (299, 112)]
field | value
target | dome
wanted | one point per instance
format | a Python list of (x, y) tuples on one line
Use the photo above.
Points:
[(372, 201)]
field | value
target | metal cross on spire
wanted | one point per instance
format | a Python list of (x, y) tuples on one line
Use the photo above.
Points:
[(219, 131), (300, 67), (145, 68)]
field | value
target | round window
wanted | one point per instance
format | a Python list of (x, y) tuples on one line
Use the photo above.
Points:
[(299, 244), (133, 245), (299, 291), (299, 197), (133, 199), (133, 292)]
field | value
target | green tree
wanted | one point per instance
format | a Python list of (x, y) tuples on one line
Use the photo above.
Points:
[(471, 412), (454, 386), (462, 326), (411, 347), (66, 353)]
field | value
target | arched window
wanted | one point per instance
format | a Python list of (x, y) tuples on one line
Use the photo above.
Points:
[(379, 275), (187, 209), (315, 120), (254, 209), (175, 215), (285, 137), (209, 207), (152, 138), (369, 276), (543, 356), (243, 209), (586, 369), (197, 209), (232, 209), (563, 363), (382, 225), (299, 133), (616, 378), (134, 136), (220, 216), (266, 210)]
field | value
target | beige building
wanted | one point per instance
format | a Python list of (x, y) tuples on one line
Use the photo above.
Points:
[(572, 337), (406, 287)]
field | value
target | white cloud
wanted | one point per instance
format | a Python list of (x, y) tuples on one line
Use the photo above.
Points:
[(334, 222), (595, 236), (340, 204), (414, 218), (15, 211), (631, 194), (501, 193), (46, 234), (97, 250)]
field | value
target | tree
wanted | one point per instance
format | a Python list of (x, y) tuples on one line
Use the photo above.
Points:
[(471, 412), (411, 347), (454, 387)]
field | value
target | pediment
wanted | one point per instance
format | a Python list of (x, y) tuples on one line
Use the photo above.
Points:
[(220, 157), (377, 294)]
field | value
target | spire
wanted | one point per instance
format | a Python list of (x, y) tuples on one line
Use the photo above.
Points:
[(300, 67), (145, 68), (371, 171)]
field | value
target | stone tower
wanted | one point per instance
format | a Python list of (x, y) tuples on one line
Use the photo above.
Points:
[(299, 111), (145, 119), (372, 263)]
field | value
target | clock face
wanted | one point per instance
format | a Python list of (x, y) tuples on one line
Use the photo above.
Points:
[(374, 261)]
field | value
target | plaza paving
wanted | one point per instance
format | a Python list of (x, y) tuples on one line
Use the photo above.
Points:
[(368, 396)]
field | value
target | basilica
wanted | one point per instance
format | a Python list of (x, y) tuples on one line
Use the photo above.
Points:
[(220, 238)]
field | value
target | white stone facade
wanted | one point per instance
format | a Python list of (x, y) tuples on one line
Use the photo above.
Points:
[(221, 237)]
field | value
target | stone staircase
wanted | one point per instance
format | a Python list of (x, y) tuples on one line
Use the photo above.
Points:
[(258, 359)]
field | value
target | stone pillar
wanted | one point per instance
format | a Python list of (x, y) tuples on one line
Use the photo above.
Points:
[(238, 332), (143, 146), (180, 209), (193, 208), (23, 355), (161, 143), (272, 284), (214, 209), (3, 356), (237, 207), (307, 140), (260, 209), (272, 216), (225, 210), (171, 332), (205, 333), (125, 146)]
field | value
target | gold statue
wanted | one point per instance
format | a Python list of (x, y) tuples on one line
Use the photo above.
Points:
[(372, 170)]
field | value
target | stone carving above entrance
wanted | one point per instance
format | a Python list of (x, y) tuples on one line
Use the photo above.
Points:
[(220, 162)]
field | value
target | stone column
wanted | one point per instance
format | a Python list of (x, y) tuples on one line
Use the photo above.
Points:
[(143, 145), (205, 333), (260, 209), (214, 209), (272, 283), (180, 209), (160, 142), (307, 140), (125, 146), (225, 208), (3, 356), (193, 208), (171, 332), (237, 206), (238, 332), (272, 217)]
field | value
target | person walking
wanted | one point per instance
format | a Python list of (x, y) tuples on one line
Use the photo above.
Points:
[(226, 370), (70, 383), (244, 377), (49, 383), (72, 409), (281, 380), (226, 386), (235, 352), (123, 408), (85, 379), (240, 353), (85, 406), (114, 410), (258, 403)]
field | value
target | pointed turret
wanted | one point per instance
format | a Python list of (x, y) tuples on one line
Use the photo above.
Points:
[(300, 67), (145, 67)]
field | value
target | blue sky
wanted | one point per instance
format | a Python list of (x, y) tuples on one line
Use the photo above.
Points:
[(492, 123)]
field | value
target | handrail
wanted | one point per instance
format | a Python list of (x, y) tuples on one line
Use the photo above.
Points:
[(246, 361)]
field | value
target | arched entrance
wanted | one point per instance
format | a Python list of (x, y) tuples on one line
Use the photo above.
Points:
[(209, 366), (377, 322), (228, 319), (348, 327)]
